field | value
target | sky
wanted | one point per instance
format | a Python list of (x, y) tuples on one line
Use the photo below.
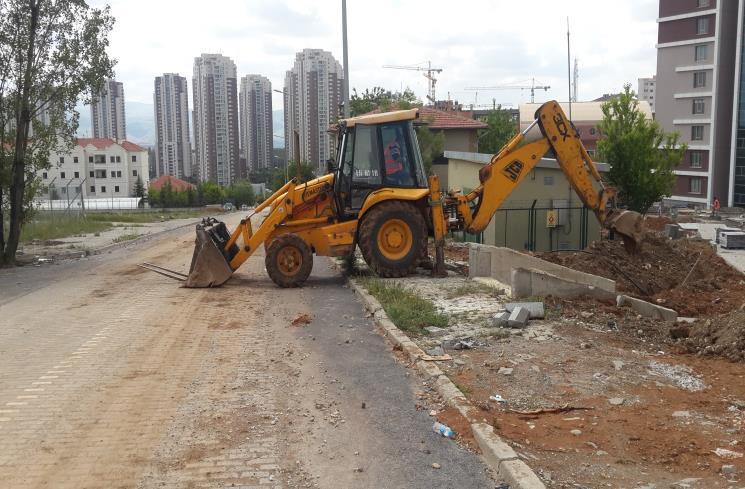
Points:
[(475, 42)]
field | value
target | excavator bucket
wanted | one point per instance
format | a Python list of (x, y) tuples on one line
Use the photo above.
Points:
[(629, 225), (209, 266)]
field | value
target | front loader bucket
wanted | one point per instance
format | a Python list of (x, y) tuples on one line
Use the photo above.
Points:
[(629, 225), (209, 266)]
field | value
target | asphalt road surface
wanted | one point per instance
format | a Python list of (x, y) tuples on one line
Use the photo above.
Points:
[(114, 377)]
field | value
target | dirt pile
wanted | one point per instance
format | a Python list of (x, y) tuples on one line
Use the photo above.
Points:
[(686, 275), (723, 336)]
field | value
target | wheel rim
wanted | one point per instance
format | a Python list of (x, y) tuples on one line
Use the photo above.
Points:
[(289, 260), (395, 239)]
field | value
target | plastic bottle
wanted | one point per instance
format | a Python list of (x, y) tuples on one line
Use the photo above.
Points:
[(443, 430)]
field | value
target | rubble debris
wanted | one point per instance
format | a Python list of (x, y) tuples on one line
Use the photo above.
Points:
[(497, 398), (681, 414), (518, 318), (616, 401), (722, 336), (505, 370), (680, 375), (500, 319), (576, 432), (443, 430), (302, 320), (535, 309), (618, 364), (562, 409), (728, 469), (724, 453), (436, 351)]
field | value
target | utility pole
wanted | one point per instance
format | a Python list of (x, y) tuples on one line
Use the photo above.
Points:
[(346, 58), (569, 72)]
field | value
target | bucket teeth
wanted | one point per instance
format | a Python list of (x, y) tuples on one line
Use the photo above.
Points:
[(629, 225), (209, 267)]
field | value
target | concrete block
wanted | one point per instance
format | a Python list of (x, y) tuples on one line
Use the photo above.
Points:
[(500, 319), (518, 475), (449, 392), (535, 309), (518, 318), (537, 283), (647, 309), (502, 260)]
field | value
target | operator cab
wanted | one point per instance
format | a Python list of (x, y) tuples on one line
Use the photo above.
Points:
[(376, 151)]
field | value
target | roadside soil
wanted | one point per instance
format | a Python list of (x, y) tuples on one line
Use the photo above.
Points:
[(597, 396)]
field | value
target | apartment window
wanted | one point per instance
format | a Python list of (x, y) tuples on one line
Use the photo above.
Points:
[(119, 174), (93, 189), (100, 159), (699, 79), (77, 174), (90, 159), (44, 175), (696, 159), (100, 173), (103, 189), (116, 189), (698, 106), (77, 190), (112, 159), (62, 160), (134, 158), (695, 185), (91, 174), (62, 174), (701, 52), (64, 190), (702, 25), (703, 3), (75, 159), (118, 159), (134, 172), (697, 133)]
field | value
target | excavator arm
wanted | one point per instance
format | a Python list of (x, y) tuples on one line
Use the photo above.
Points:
[(518, 157)]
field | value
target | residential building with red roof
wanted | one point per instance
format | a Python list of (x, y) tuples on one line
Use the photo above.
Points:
[(177, 185), (96, 168)]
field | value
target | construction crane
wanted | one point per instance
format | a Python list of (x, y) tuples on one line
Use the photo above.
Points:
[(532, 87), (428, 74)]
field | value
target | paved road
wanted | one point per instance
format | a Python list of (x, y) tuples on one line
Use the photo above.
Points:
[(111, 376)]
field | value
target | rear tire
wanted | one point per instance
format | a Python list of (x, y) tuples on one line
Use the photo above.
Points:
[(393, 238), (289, 261)]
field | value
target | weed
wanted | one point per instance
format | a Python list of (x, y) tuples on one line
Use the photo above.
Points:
[(126, 237), (407, 310)]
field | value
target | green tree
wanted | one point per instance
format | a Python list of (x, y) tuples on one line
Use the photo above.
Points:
[(380, 98), (502, 127), (211, 193), (139, 188), (52, 54), (641, 155), (307, 172), (167, 198), (241, 192), (431, 146)]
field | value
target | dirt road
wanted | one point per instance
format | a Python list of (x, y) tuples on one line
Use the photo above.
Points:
[(111, 376)]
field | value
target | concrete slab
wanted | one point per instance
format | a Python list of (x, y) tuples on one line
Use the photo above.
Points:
[(647, 309), (518, 318), (535, 309), (537, 283)]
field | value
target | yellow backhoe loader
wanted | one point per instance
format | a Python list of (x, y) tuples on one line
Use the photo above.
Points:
[(378, 197)]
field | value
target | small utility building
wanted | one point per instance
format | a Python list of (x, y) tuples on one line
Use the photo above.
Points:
[(543, 213)]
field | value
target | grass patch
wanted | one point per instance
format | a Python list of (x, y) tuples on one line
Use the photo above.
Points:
[(145, 216), (60, 226), (126, 237), (407, 310), (472, 288)]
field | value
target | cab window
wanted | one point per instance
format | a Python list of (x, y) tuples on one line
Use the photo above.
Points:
[(398, 163)]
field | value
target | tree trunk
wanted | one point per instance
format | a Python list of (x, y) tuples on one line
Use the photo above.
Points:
[(18, 174)]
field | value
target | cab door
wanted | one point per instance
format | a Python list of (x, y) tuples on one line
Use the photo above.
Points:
[(360, 168)]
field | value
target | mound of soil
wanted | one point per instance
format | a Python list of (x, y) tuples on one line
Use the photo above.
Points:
[(686, 275), (723, 336)]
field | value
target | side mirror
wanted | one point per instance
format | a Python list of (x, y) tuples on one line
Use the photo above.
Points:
[(331, 166)]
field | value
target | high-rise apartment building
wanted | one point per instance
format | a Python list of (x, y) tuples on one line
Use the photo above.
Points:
[(647, 90), (257, 143), (312, 94), (107, 112), (699, 80), (215, 86), (172, 141)]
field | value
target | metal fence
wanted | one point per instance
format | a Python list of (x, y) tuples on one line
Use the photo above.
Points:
[(528, 228)]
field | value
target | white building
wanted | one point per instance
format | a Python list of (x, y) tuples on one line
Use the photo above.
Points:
[(257, 143), (107, 112), (172, 140), (647, 90), (96, 168), (312, 94), (216, 140)]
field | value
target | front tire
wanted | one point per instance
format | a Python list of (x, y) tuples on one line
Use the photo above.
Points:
[(289, 261), (393, 238)]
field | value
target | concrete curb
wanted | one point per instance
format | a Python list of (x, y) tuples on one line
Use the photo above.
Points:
[(496, 453)]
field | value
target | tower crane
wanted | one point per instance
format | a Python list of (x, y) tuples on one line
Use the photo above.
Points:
[(428, 74), (532, 87)]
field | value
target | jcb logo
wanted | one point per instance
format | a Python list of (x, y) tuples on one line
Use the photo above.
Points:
[(513, 170)]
